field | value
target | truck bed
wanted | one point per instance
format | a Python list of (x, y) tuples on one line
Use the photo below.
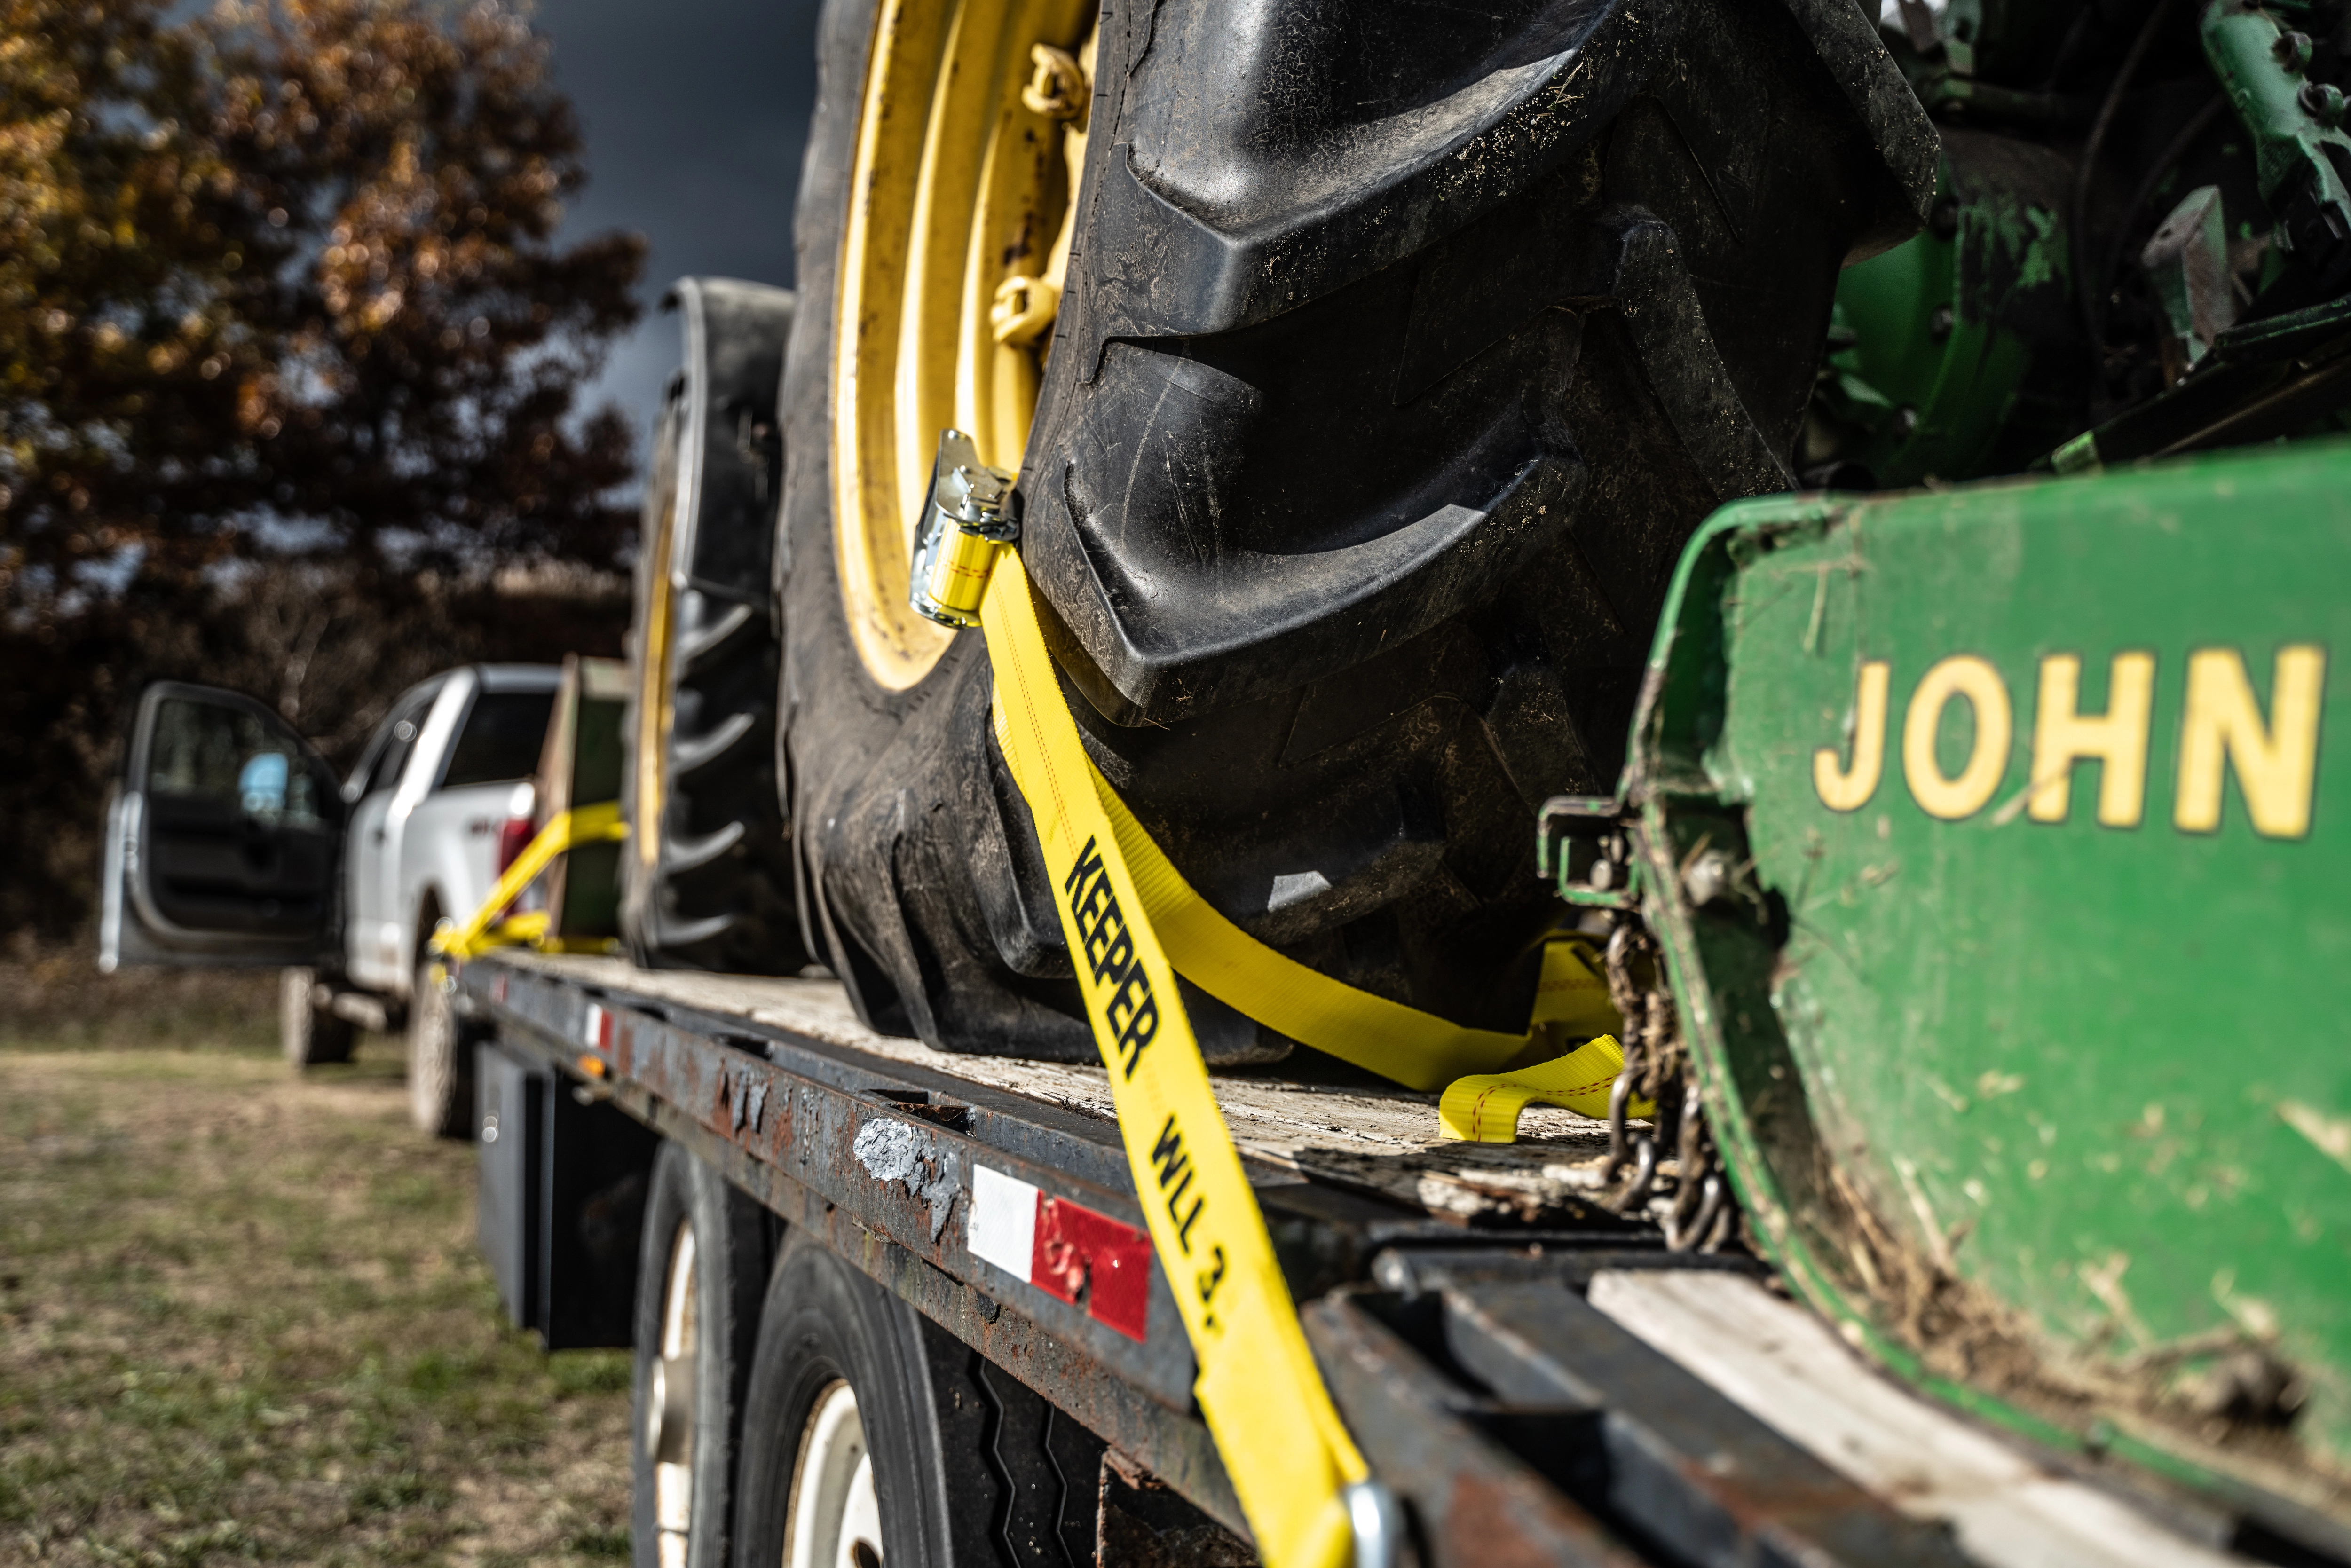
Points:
[(1540, 1380)]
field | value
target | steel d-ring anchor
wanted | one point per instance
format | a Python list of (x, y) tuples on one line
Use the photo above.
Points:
[(1379, 1523), (966, 516)]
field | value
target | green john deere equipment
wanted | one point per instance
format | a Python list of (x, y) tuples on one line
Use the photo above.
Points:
[(1970, 887), (1987, 845)]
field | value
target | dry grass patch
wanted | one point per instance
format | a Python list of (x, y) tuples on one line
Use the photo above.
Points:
[(242, 1318)]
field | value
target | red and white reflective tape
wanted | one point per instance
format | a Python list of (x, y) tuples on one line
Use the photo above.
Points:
[(1063, 1249), (597, 1036)]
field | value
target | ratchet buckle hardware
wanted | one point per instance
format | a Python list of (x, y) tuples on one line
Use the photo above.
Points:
[(966, 519)]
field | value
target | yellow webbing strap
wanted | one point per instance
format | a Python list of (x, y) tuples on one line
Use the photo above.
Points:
[(580, 825), (529, 927), (1288, 1454), (1485, 1109), (1132, 923), (1415, 1049)]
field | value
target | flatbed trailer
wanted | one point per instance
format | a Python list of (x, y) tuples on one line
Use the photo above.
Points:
[(1536, 1379)]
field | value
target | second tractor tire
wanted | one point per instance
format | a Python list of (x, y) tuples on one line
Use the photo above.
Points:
[(706, 879)]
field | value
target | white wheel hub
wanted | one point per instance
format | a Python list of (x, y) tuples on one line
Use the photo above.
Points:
[(835, 1521), (669, 1414)]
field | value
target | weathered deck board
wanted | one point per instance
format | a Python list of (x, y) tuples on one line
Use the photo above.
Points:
[(1383, 1141)]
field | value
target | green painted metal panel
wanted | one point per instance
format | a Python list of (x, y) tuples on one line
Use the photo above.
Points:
[(1956, 362), (2085, 1061), (2292, 145)]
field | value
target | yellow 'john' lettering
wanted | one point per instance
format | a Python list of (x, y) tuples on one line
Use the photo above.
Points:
[(1847, 787), (2275, 762), (2116, 740), (1966, 678)]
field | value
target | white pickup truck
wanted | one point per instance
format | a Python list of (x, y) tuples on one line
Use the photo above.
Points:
[(257, 855)]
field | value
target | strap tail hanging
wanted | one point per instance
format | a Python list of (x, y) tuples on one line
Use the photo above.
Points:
[(1485, 1109)]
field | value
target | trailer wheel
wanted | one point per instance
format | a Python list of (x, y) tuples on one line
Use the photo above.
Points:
[(440, 1057), (860, 1413), (310, 1035), (841, 1459), (700, 1273), (1364, 393)]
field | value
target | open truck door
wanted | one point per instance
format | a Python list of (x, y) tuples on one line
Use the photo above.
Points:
[(223, 840)]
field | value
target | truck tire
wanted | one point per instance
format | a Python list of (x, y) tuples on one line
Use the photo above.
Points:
[(863, 1420), (706, 883), (440, 1057), (1394, 359), (309, 1034), (701, 1272)]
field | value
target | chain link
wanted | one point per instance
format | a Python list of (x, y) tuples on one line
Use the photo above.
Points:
[(1656, 1068)]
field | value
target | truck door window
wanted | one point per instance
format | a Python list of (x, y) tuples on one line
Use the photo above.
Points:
[(501, 740), (207, 754)]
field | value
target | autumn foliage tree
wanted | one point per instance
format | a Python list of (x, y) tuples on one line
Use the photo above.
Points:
[(286, 273), (280, 294)]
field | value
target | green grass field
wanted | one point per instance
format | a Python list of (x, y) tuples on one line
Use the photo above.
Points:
[(242, 1318)]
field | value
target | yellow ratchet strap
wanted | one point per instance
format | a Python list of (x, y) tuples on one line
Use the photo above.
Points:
[(1485, 1109), (1290, 1457), (1132, 923), (565, 830), (1403, 1044)]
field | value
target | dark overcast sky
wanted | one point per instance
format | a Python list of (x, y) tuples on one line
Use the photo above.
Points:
[(696, 111)]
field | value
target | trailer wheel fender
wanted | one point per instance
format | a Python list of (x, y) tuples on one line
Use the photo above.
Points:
[(702, 1265)]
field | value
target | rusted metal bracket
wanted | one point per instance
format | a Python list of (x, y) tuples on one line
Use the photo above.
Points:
[(1487, 1388)]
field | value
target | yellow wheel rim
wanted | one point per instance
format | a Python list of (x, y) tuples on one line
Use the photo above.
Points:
[(653, 711), (970, 141)]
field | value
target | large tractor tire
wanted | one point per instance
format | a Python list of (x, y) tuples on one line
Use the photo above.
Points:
[(1365, 369), (706, 882)]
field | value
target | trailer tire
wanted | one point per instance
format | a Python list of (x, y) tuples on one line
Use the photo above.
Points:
[(701, 1270), (1358, 463), (440, 1057), (879, 1464), (970, 1467), (310, 1035)]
